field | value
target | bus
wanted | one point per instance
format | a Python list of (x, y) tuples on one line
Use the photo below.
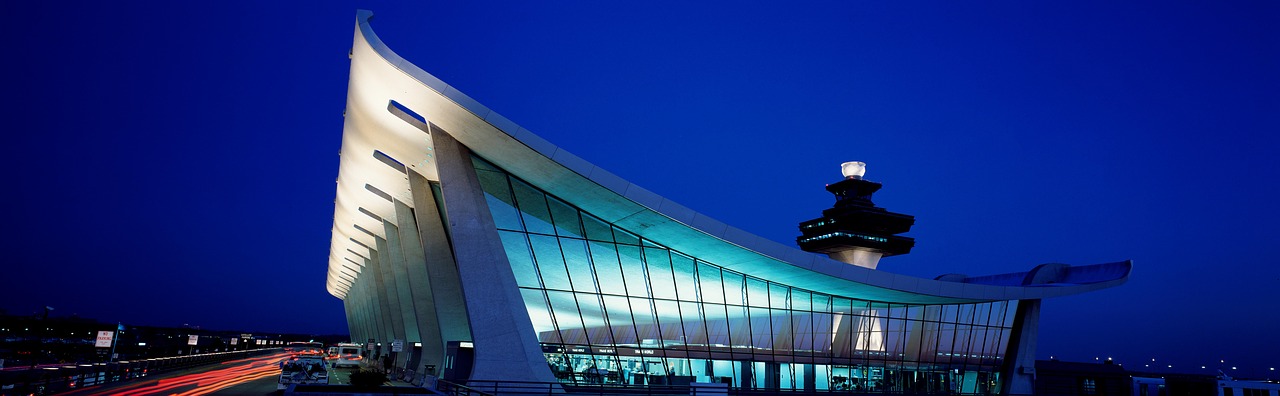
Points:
[(305, 348), (348, 355)]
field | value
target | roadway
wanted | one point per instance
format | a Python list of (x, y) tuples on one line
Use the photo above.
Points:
[(251, 376)]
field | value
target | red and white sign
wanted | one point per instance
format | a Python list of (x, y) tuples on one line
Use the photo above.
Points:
[(104, 339), (192, 340)]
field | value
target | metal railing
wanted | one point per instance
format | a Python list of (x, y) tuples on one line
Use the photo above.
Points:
[(492, 388), (47, 380)]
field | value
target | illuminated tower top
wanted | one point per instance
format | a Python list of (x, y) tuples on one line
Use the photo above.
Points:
[(855, 230)]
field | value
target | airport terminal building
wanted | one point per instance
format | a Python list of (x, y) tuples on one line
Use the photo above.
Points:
[(493, 255)]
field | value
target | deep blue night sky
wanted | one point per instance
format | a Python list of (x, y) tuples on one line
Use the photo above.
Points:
[(173, 163)]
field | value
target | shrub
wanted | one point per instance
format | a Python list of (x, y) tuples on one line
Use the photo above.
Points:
[(368, 378)]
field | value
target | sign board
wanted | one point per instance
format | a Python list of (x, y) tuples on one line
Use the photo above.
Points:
[(192, 340), (233, 341), (397, 346), (104, 339)]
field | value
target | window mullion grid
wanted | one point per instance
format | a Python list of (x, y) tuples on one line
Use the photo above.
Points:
[(604, 311), (573, 291), (684, 336), (791, 324), (537, 268), (653, 307), (627, 297), (1000, 338), (702, 308), (968, 353), (728, 323), (985, 329)]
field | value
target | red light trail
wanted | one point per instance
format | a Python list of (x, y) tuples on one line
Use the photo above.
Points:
[(233, 373)]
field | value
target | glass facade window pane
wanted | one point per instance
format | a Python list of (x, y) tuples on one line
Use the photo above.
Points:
[(633, 271), (498, 196), (717, 324), (661, 281), (761, 330), (801, 300), (683, 268), (521, 258), (564, 309), (735, 292), (695, 331), (546, 253), (608, 270), (710, 288), (669, 321), (779, 296), (581, 272), (533, 208), (594, 320), (645, 322), (565, 218), (619, 311), (757, 293), (782, 334), (739, 328), (802, 332), (596, 229), (624, 237), (540, 313)]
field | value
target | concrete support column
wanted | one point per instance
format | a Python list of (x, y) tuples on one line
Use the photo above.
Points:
[(380, 302), (442, 270), (347, 309), (400, 274), (506, 346), (390, 291), (1019, 372), (420, 290)]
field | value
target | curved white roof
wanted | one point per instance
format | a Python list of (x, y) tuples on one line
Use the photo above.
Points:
[(379, 76)]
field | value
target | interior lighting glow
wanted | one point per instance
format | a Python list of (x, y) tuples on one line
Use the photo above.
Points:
[(853, 169)]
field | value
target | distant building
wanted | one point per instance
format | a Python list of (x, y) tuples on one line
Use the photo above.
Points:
[(489, 254)]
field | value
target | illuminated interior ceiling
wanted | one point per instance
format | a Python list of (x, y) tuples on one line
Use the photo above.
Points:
[(379, 76)]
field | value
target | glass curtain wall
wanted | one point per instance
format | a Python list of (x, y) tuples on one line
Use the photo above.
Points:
[(611, 307)]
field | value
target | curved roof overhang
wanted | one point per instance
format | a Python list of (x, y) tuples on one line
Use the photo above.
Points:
[(379, 76)]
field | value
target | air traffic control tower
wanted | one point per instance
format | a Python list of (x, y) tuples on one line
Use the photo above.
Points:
[(855, 230)]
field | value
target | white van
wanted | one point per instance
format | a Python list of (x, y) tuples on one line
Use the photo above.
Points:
[(349, 355)]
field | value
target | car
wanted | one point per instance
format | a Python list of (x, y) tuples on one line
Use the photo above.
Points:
[(303, 370)]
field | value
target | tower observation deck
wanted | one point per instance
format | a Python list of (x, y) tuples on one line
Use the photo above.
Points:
[(855, 230)]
